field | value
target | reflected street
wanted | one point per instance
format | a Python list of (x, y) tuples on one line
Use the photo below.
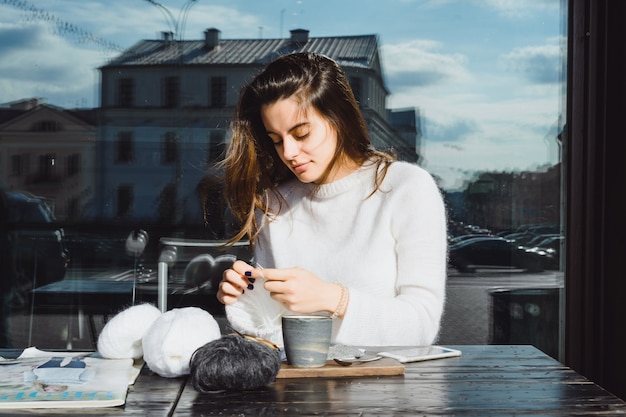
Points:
[(468, 303), (466, 319), (499, 278)]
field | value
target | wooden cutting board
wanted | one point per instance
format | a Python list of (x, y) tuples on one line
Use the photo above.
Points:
[(381, 367)]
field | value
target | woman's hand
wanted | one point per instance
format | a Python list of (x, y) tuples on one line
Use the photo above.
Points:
[(297, 289), (300, 290), (234, 282)]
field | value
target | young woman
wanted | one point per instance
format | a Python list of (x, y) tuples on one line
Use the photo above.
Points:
[(336, 226)]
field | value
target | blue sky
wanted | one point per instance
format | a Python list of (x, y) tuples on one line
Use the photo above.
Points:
[(484, 74)]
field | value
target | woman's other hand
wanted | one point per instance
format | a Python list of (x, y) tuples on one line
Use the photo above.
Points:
[(235, 282)]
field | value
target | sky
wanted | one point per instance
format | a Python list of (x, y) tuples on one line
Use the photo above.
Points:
[(485, 75)]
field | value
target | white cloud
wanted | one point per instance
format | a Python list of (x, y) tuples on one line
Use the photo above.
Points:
[(495, 119), (420, 63), (54, 54), (44, 65), (538, 64), (493, 123), (231, 22), (512, 9), (430, 4), (520, 8), (122, 18)]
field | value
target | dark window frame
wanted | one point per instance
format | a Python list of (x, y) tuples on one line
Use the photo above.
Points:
[(218, 92), (594, 152), (17, 165), (125, 91), (170, 152), (216, 145), (171, 92), (73, 164), (47, 166), (46, 126), (125, 148), (124, 203), (356, 83)]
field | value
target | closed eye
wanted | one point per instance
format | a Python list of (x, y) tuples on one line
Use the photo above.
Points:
[(301, 137), (299, 132), (276, 140)]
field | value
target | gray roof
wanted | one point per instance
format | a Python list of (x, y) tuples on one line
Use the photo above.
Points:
[(350, 51)]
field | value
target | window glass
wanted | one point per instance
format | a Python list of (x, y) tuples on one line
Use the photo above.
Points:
[(125, 92), (218, 91), (124, 147), (170, 148), (171, 92), (114, 127)]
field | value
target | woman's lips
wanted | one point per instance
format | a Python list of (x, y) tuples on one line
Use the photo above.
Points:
[(299, 168)]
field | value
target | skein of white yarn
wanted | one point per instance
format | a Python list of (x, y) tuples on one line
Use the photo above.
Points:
[(122, 336), (173, 338)]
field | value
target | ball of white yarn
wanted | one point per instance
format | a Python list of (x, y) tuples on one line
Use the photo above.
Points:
[(121, 336), (174, 337)]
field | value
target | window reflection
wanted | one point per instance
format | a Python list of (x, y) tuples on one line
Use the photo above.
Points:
[(125, 92), (469, 90)]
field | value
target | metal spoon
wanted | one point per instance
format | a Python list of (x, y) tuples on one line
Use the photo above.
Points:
[(348, 362)]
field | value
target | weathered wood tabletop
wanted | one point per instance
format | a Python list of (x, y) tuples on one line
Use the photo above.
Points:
[(485, 380)]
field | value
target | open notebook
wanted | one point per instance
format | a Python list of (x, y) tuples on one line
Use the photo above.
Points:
[(40, 379)]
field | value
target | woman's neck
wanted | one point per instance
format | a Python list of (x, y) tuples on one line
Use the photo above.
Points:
[(342, 168)]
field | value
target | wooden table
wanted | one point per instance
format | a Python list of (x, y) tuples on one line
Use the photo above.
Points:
[(484, 381)]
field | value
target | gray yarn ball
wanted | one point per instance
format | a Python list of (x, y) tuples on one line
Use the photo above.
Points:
[(233, 363)]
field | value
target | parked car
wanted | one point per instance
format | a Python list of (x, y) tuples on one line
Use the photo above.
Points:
[(39, 252), (524, 234), (548, 251), (537, 240), (470, 254), (460, 238)]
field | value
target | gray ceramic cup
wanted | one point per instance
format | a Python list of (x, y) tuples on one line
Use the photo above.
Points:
[(307, 339)]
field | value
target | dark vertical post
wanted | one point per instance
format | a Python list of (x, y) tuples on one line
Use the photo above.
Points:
[(595, 159)]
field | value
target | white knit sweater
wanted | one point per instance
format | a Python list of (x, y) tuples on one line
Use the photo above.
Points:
[(388, 249)]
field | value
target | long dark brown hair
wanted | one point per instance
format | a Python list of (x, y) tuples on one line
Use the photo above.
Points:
[(252, 167)]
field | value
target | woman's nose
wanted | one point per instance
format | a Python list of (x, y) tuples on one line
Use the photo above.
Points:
[(291, 148)]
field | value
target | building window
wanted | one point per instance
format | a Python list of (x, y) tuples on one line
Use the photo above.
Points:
[(17, 168), (171, 92), (357, 87), (125, 148), (125, 92), (73, 164), (47, 166), (124, 199), (73, 208), (46, 126), (167, 204), (218, 92), (169, 151), (216, 146)]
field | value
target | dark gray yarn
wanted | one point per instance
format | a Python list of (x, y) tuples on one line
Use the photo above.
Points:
[(233, 363)]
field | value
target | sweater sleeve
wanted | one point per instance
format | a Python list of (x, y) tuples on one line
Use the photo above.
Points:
[(418, 227)]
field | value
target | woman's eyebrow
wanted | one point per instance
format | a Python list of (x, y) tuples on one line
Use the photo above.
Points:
[(269, 132)]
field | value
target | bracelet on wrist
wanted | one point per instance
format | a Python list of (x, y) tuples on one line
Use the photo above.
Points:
[(343, 299)]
